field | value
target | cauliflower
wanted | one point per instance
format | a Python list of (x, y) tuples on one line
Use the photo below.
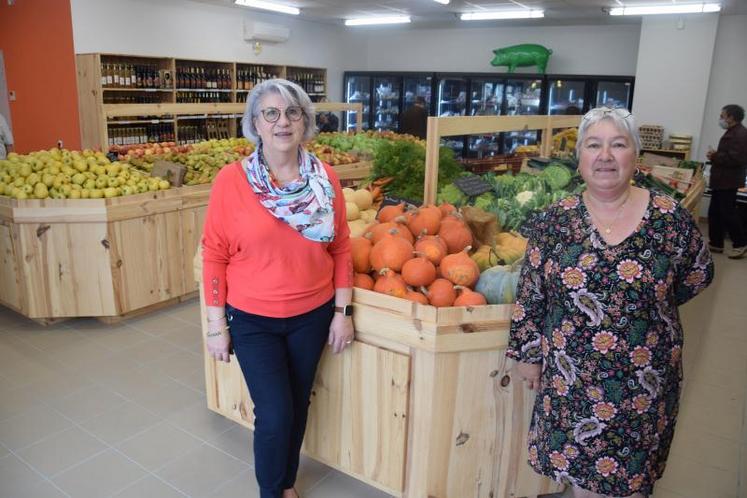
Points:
[(524, 197)]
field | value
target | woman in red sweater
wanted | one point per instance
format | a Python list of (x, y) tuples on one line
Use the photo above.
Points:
[(277, 273)]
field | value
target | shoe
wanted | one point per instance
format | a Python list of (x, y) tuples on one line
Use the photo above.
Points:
[(738, 252), (715, 249)]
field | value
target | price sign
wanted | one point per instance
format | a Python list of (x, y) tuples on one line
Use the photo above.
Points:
[(472, 185), (394, 201)]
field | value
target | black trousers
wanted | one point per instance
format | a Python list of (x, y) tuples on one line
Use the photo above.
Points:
[(279, 357), (723, 217)]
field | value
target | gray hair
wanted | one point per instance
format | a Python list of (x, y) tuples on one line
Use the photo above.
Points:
[(621, 118), (291, 93)]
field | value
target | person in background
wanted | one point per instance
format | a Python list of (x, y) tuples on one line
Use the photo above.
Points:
[(728, 170), (6, 138), (595, 329), (573, 110), (327, 121), (278, 273), (415, 119)]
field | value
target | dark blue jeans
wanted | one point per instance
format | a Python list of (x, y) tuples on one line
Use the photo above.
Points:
[(278, 357)]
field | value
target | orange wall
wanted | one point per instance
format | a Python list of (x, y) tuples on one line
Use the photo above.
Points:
[(36, 37)]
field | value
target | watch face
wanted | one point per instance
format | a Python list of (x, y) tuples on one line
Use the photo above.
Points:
[(347, 310)]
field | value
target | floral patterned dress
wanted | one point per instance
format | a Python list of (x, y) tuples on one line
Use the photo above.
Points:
[(603, 321)]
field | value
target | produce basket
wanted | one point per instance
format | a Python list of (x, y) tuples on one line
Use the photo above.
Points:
[(494, 164)]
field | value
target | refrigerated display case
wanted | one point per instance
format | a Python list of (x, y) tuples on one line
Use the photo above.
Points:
[(386, 102), (358, 89), (452, 97), (566, 96), (417, 86), (615, 93), (486, 99), (522, 97)]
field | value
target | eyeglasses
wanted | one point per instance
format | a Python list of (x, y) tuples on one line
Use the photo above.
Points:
[(601, 112), (272, 114)]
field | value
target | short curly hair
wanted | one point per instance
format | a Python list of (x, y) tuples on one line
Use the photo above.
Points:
[(735, 111), (291, 93)]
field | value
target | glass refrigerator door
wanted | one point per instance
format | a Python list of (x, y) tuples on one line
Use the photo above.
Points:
[(566, 96), (613, 94), (386, 103), (486, 98), (523, 97), (452, 101), (358, 90), (417, 87)]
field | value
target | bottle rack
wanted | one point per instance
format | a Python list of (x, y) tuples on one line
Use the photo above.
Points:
[(118, 92)]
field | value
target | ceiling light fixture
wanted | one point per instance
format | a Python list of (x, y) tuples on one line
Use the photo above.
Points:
[(443, 2), (275, 7), (505, 14), (645, 10), (368, 21)]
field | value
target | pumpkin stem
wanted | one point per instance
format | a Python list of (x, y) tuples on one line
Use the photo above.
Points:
[(424, 290), (467, 249), (400, 219), (384, 271)]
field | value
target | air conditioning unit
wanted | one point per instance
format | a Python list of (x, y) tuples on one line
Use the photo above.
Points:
[(262, 31)]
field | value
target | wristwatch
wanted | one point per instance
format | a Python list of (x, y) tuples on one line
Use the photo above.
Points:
[(346, 310)]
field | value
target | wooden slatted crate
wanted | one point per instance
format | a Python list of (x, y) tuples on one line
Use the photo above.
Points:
[(422, 405)]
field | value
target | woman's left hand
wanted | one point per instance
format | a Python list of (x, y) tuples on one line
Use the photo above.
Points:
[(340, 332)]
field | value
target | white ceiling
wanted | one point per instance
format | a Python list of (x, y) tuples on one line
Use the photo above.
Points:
[(430, 13)]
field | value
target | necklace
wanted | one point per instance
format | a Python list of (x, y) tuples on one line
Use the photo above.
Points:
[(608, 227)]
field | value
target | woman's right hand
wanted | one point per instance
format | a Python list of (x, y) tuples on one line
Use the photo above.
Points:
[(530, 372)]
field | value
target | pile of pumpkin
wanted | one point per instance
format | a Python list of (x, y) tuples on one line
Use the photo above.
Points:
[(423, 255)]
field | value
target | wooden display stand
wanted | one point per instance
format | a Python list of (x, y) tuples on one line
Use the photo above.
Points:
[(106, 258), (472, 125), (422, 405), (96, 116)]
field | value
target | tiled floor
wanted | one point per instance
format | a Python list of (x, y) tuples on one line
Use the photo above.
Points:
[(88, 410)]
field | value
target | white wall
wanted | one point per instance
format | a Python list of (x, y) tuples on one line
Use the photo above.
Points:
[(674, 66), (189, 29), (609, 50), (728, 83)]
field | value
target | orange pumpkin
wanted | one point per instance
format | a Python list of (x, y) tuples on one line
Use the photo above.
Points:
[(432, 247), (468, 297), (460, 269), (455, 232), (388, 229), (447, 209), (425, 220), (392, 253), (390, 283), (413, 295), (418, 272), (388, 213), (360, 249), (440, 293), (363, 281)]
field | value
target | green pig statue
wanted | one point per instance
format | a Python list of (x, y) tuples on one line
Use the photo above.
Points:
[(526, 54)]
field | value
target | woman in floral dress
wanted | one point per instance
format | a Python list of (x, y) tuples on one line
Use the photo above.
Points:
[(596, 328)]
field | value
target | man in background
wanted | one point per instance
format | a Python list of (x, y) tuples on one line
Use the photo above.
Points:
[(415, 119), (728, 170), (326, 121), (6, 138)]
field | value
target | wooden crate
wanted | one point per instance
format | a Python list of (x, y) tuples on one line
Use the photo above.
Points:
[(422, 405), (99, 257)]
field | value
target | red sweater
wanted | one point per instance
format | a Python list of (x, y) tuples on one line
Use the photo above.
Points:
[(259, 264)]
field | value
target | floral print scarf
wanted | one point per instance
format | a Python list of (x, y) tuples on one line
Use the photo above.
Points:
[(305, 204)]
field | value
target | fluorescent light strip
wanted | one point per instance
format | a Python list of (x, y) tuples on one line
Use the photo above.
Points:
[(261, 4), (367, 21), (443, 2), (505, 14), (641, 10)]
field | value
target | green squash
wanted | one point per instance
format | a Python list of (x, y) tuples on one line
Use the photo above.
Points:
[(498, 284)]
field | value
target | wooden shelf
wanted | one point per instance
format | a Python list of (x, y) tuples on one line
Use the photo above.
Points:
[(120, 89), (140, 121), (95, 114)]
